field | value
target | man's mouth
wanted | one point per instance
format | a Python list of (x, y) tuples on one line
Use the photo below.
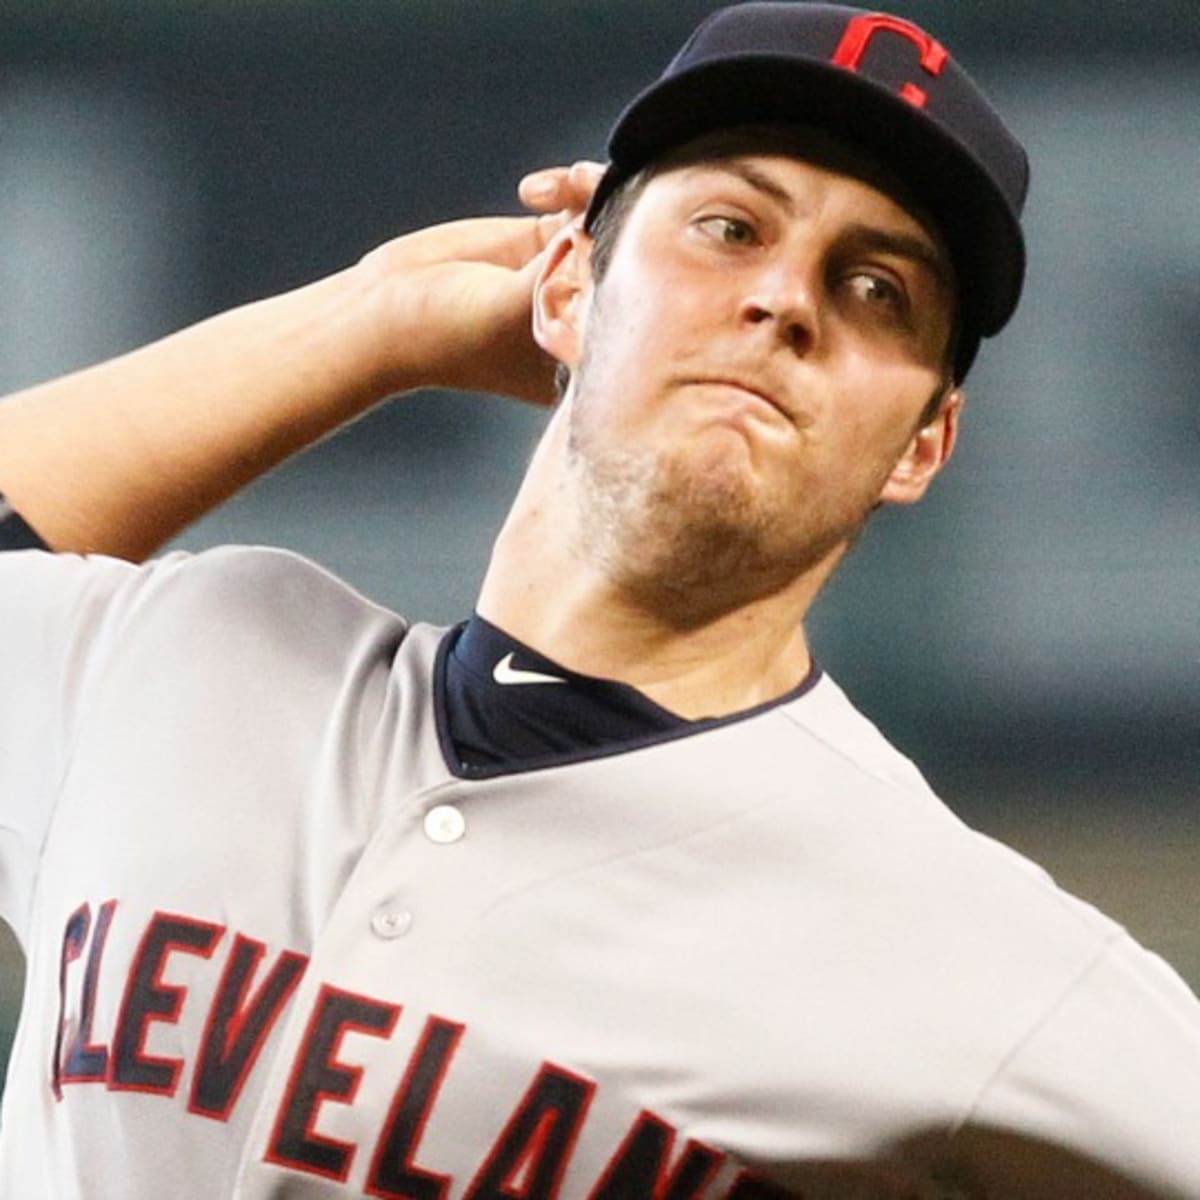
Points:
[(752, 389)]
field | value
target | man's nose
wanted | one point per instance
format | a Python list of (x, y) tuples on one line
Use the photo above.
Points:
[(786, 296)]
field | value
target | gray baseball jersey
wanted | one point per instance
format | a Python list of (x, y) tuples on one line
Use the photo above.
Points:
[(277, 946)]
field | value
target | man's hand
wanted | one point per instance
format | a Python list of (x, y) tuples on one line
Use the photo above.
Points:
[(454, 300), (453, 307), (120, 457)]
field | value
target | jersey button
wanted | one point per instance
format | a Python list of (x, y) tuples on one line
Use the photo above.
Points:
[(391, 921), (444, 824)]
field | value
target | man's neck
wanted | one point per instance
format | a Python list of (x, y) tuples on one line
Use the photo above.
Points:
[(543, 588), (570, 613), (716, 670)]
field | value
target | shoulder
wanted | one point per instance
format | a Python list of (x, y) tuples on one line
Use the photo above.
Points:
[(256, 584), (984, 921), (250, 573), (240, 604), (231, 575), (921, 845), (826, 714), (251, 603)]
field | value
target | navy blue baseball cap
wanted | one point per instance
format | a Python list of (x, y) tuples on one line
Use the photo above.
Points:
[(877, 82)]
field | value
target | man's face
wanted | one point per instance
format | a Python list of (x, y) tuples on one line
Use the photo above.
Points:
[(754, 367)]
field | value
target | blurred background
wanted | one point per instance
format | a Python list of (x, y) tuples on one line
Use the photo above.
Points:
[(1030, 634)]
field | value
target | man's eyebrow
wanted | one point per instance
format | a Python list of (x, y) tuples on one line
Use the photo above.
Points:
[(870, 237), (902, 245), (761, 181)]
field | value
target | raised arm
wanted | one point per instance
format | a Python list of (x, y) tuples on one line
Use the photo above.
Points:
[(119, 457)]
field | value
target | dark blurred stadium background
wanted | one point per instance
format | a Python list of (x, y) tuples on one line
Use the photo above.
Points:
[(1031, 635)]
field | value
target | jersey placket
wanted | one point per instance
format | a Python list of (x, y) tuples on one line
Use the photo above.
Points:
[(349, 1036)]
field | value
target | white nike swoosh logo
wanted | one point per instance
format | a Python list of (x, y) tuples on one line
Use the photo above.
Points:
[(504, 672)]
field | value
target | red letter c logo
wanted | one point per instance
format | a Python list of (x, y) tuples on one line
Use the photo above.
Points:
[(861, 30)]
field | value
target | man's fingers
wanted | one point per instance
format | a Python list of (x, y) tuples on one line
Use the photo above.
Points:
[(503, 241), (583, 178), (555, 188), (540, 190)]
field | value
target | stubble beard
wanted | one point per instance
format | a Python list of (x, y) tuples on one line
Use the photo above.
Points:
[(687, 535)]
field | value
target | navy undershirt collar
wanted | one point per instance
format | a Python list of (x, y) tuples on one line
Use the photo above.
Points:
[(15, 534), (532, 712), (494, 723)]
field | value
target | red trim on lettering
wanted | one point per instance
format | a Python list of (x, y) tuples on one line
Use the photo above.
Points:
[(664, 1188), (244, 1006), (81, 1043), (539, 1135), (432, 1024), (349, 1149), (857, 37), (177, 992), (72, 948), (531, 1154)]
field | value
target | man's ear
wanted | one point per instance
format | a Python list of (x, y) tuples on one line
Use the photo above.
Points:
[(926, 454), (561, 295)]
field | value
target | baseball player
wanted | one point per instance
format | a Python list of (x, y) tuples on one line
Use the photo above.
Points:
[(609, 891)]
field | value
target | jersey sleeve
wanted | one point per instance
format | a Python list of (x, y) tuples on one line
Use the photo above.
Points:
[(1102, 1098), (15, 533), (60, 615)]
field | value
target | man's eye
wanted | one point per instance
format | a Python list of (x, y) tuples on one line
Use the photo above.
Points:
[(877, 290), (731, 230)]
